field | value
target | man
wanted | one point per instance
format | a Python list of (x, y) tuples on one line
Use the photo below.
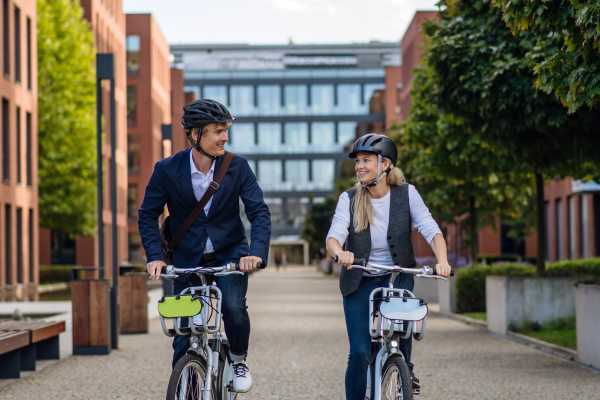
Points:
[(218, 235)]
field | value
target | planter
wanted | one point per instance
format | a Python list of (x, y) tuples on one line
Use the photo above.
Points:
[(515, 301), (587, 300), (446, 295)]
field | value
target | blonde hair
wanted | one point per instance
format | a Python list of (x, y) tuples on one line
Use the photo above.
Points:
[(362, 206)]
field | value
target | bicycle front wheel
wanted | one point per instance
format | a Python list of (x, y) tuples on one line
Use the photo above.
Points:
[(187, 380), (396, 383)]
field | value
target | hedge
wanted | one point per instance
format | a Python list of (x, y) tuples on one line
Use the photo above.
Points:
[(470, 282), (55, 273)]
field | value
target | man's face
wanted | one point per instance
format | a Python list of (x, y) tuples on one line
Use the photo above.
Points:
[(214, 139)]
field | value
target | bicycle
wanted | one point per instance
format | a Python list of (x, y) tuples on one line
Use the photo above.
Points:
[(397, 312), (205, 372)]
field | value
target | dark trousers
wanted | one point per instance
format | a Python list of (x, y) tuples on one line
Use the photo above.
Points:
[(356, 310), (233, 306)]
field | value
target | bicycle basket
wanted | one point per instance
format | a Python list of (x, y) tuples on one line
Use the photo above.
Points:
[(404, 309), (179, 306)]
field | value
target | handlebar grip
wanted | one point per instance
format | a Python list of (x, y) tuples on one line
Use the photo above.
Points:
[(451, 272), (357, 261), (259, 266)]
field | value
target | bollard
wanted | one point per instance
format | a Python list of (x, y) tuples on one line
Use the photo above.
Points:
[(133, 303)]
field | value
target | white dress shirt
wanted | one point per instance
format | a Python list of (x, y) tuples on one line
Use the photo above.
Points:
[(380, 252), (200, 184)]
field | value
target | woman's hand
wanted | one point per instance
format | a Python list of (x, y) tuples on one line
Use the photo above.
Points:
[(345, 258), (443, 269)]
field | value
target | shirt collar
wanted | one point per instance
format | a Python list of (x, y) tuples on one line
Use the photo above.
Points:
[(195, 170)]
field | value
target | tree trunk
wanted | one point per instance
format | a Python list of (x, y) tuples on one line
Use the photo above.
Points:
[(473, 230), (541, 225)]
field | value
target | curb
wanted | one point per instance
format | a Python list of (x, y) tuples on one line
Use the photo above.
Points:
[(545, 347)]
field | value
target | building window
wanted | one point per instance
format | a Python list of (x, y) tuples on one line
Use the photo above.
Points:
[(131, 105), (7, 247), (19, 146), (217, 93), (321, 99), (242, 100), (133, 154), (296, 172), (5, 142), (135, 247), (132, 45), (132, 201), (349, 101), (296, 99), (323, 134), (19, 245), (29, 76), (29, 149), (31, 246), (6, 41), (270, 174), (323, 179), (269, 137), (241, 138), (17, 45), (559, 229), (269, 100), (346, 133), (296, 137)]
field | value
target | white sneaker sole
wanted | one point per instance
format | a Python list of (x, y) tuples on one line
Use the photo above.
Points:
[(243, 391)]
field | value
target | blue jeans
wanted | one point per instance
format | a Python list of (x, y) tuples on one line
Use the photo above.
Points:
[(233, 306), (356, 311)]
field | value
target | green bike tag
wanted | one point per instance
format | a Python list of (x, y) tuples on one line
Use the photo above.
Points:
[(179, 306)]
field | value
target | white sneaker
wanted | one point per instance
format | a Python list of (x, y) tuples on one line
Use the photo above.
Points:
[(242, 381)]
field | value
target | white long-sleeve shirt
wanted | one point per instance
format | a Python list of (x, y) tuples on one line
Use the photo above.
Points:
[(200, 184), (380, 252)]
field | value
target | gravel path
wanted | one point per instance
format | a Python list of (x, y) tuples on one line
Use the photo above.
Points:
[(299, 350)]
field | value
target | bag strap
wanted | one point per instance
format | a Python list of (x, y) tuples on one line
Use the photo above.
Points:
[(214, 185)]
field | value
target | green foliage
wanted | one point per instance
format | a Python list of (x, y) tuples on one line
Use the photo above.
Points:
[(55, 273), (483, 74), (66, 109), (564, 338), (470, 282), (316, 224), (570, 71)]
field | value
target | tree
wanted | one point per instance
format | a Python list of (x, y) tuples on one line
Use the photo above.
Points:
[(484, 76), (457, 173), (570, 71), (66, 109)]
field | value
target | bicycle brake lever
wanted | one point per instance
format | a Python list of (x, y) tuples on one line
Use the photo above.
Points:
[(431, 276), (228, 273)]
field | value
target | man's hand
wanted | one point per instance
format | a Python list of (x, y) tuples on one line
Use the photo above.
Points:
[(249, 263), (154, 267), (443, 269)]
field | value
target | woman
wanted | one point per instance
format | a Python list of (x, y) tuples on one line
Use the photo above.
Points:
[(375, 217)]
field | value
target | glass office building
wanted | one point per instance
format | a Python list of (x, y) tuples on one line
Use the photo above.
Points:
[(297, 107)]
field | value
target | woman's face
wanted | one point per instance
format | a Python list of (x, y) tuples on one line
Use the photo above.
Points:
[(366, 167)]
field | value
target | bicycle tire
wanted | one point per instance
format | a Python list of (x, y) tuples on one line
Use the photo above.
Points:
[(193, 369), (396, 383)]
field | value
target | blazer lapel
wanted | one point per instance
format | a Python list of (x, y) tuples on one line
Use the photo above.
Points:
[(219, 192), (185, 179)]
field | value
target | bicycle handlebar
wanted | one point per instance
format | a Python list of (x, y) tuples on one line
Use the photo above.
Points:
[(171, 271), (360, 263)]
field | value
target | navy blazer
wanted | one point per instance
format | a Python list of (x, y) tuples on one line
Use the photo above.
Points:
[(171, 184)]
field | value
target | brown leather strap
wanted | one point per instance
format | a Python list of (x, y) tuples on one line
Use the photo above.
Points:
[(212, 188)]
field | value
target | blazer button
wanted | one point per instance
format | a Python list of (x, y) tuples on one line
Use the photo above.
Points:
[(395, 255), (206, 224), (389, 237), (391, 246)]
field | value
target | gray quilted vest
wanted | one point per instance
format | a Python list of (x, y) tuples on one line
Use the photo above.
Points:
[(399, 238)]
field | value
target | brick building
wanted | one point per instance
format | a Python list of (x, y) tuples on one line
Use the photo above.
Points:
[(18, 147), (572, 209), (148, 108)]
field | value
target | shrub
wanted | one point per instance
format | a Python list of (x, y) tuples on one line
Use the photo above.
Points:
[(55, 273), (470, 282)]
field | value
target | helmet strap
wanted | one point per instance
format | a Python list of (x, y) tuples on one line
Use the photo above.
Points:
[(197, 147), (379, 177)]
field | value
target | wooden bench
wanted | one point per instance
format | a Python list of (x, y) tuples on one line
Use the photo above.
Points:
[(41, 337), (11, 344)]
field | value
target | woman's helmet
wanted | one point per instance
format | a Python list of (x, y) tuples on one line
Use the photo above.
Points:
[(200, 113), (380, 145)]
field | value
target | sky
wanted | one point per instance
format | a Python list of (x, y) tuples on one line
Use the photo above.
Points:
[(279, 21)]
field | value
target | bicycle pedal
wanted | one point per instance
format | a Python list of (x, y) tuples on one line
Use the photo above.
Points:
[(416, 391)]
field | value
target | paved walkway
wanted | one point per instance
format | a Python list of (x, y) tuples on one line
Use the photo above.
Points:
[(299, 351)]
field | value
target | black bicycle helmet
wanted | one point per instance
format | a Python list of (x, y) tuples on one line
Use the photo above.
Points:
[(200, 113), (380, 145), (374, 143)]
